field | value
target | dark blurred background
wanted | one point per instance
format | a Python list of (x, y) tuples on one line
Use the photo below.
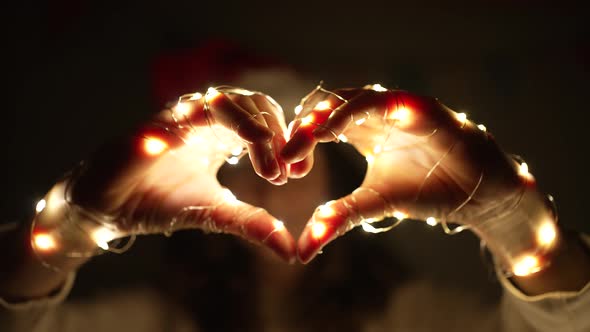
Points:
[(79, 72)]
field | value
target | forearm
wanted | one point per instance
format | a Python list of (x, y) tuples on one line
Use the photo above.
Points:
[(24, 276), (569, 270)]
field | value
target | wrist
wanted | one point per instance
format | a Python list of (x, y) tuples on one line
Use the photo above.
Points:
[(521, 234)]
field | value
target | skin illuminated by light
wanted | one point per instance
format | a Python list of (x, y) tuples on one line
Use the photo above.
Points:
[(399, 215), (322, 105), (546, 234), (307, 120), (431, 221), (44, 242), (298, 109), (102, 236), (154, 146), (527, 265), (325, 211), (182, 108), (229, 197), (318, 230), (40, 205)]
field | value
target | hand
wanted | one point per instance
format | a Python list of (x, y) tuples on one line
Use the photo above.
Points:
[(163, 177), (424, 162)]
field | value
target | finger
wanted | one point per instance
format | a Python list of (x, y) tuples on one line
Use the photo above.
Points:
[(355, 111), (335, 218), (274, 118), (253, 224), (232, 116), (302, 168), (262, 154)]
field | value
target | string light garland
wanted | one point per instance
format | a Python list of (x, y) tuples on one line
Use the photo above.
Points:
[(61, 228), (521, 234)]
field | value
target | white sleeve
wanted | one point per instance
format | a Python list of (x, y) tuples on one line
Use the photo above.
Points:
[(555, 311), (34, 315)]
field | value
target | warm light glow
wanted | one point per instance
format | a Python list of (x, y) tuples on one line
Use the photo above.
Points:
[(195, 140), (322, 106), (237, 151), (378, 87), (462, 117), (211, 94), (527, 265), (102, 236), (343, 138), (44, 242), (546, 234), (325, 211), (360, 121), (377, 149), (431, 221), (278, 225), (523, 170), (370, 158), (399, 215), (182, 109), (318, 230), (154, 146), (196, 96), (401, 115), (482, 127), (307, 120), (233, 160), (229, 197), (298, 109), (40, 205)]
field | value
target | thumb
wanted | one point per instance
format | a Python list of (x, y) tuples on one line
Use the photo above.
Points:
[(252, 223), (336, 218)]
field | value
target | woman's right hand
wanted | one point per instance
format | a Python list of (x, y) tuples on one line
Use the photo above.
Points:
[(162, 177)]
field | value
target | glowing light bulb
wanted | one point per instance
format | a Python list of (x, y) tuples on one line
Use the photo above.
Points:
[(546, 234), (401, 115), (40, 205), (322, 106), (378, 87), (307, 120), (196, 96), (44, 242), (377, 149), (343, 138), (523, 170), (431, 221), (237, 151), (360, 121), (298, 109), (182, 109), (400, 215), (370, 158), (527, 265), (228, 196), (102, 236), (233, 160), (482, 127), (318, 230), (462, 117), (325, 211), (278, 225), (154, 146), (211, 94)]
